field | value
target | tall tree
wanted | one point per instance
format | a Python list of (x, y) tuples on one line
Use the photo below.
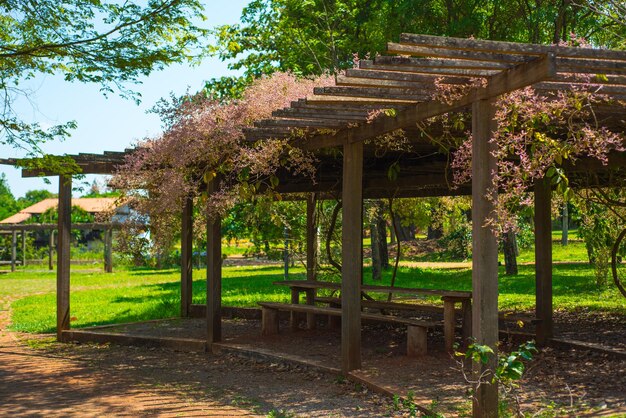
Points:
[(104, 42), (316, 36)]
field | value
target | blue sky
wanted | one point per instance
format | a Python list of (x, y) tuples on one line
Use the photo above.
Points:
[(112, 123)]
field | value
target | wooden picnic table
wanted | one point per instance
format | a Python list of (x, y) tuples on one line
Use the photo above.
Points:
[(449, 297)]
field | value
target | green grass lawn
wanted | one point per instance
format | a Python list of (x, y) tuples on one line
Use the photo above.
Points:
[(140, 294)]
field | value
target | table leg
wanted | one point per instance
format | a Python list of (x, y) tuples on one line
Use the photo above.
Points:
[(293, 318), (310, 300), (448, 324)]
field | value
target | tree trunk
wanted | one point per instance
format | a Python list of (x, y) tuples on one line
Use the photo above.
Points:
[(381, 225), (434, 233), (565, 226), (510, 259), (376, 256), (405, 233)]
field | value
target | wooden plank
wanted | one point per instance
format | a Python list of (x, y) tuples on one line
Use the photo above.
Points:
[(378, 70), (318, 284), (323, 310), (384, 82), (510, 47), (543, 261), (573, 65), (408, 62), (186, 257), (484, 254), (63, 255), (426, 51), (96, 226), (375, 92), (300, 123), (506, 81), (361, 100), (352, 256), (320, 114), (214, 273)]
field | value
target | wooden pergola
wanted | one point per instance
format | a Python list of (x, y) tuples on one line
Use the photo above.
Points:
[(337, 118), (404, 86)]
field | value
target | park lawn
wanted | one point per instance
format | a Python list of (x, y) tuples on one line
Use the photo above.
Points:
[(142, 294)]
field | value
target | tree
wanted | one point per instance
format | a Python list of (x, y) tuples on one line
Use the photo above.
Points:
[(34, 196), (8, 205), (317, 36), (108, 43)]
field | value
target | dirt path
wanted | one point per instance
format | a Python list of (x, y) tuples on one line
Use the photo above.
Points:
[(39, 377), (42, 383)]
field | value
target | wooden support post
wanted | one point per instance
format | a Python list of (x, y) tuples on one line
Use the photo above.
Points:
[(416, 341), (23, 249), (543, 261), (294, 317), (352, 256), (214, 273), (51, 251), (13, 250), (186, 258), (311, 253), (448, 323), (108, 250), (63, 255), (484, 254), (269, 321)]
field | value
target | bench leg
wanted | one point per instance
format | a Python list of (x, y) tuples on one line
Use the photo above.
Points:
[(310, 317), (334, 321), (416, 341), (269, 321), (448, 324), (294, 319), (466, 308)]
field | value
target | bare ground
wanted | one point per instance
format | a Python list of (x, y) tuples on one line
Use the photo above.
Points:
[(39, 377)]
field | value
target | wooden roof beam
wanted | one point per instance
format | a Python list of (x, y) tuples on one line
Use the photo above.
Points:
[(508, 80), (473, 45), (374, 92)]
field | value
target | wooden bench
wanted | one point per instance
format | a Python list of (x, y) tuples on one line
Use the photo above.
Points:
[(416, 330)]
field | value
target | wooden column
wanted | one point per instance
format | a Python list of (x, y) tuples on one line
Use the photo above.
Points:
[(352, 256), (186, 257), (311, 253), (543, 261), (51, 251), (23, 249), (214, 274), (13, 249), (108, 250), (484, 254), (63, 255)]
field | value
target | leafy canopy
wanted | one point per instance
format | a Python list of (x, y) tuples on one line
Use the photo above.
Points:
[(110, 43)]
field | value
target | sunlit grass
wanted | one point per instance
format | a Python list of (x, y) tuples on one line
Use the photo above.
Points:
[(142, 294)]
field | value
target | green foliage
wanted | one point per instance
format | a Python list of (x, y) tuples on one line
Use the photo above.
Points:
[(314, 36), (34, 196), (112, 44), (8, 205)]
